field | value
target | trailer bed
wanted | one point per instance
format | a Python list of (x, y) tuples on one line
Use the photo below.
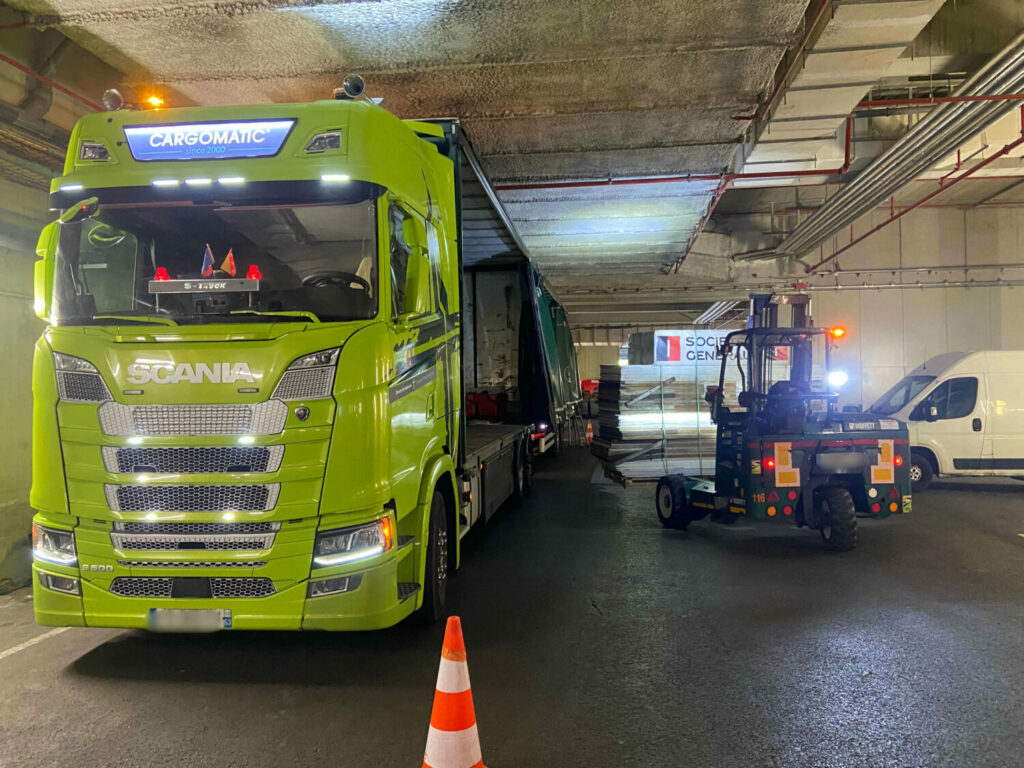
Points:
[(484, 440)]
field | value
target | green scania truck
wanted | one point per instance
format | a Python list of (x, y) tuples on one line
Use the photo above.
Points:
[(249, 397)]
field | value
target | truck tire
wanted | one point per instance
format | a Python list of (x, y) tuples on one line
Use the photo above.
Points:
[(921, 472), (670, 502), (435, 574), (839, 518)]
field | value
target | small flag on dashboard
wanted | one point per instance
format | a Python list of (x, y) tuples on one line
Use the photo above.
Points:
[(207, 270), (229, 263)]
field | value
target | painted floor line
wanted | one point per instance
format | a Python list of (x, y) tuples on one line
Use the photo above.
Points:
[(33, 641)]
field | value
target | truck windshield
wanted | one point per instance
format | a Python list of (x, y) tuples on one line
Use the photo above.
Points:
[(905, 390), (313, 260)]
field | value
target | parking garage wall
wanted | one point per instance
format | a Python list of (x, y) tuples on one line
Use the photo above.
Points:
[(892, 331), (22, 214)]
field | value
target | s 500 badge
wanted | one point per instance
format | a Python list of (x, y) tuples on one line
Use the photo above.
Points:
[(97, 568)]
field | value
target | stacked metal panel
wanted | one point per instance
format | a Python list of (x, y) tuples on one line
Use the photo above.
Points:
[(655, 414)]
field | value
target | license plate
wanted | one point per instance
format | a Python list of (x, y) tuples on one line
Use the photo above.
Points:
[(188, 620)]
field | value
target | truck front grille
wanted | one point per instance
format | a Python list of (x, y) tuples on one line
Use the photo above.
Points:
[(81, 387), (128, 586), (218, 587), (191, 498), (194, 528), (189, 461), (194, 536), (267, 418), (192, 563)]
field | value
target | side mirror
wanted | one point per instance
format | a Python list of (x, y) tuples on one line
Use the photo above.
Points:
[(42, 276), (933, 413), (852, 409)]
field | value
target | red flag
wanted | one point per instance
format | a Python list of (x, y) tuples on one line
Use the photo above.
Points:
[(229, 263)]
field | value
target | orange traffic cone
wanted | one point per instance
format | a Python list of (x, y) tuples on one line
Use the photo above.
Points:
[(590, 431), (452, 740)]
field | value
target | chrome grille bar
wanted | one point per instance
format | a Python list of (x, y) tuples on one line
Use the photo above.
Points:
[(266, 418), (194, 460)]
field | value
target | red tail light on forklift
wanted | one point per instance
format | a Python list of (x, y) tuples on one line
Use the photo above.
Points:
[(787, 510), (769, 463), (792, 495), (876, 507), (897, 460), (161, 274)]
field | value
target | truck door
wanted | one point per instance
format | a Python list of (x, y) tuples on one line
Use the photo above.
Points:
[(416, 327), (954, 430)]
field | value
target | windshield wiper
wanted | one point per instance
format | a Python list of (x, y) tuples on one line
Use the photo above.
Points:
[(136, 319), (298, 314)]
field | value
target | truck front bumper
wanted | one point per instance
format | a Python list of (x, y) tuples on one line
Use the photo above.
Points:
[(374, 604)]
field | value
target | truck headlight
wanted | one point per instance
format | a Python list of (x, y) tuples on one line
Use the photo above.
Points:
[(53, 545), (310, 377), (78, 381), (346, 545)]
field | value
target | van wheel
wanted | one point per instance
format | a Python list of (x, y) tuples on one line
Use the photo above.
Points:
[(435, 575), (921, 472), (839, 519)]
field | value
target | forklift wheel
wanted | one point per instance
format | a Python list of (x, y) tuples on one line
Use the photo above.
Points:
[(670, 501), (839, 516)]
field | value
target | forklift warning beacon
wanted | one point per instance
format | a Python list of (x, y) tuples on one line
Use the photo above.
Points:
[(254, 398), (783, 452)]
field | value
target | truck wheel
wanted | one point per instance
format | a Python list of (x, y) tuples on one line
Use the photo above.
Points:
[(670, 501), (839, 518), (921, 472), (435, 576)]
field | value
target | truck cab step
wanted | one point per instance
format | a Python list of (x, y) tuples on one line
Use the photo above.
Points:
[(407, 589)]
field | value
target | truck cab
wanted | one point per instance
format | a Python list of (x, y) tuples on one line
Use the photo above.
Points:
[(247, 399)]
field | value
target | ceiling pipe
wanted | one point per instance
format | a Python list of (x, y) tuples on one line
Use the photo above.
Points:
[(47, 81), (940, 132), (931, 101), (942, 188)]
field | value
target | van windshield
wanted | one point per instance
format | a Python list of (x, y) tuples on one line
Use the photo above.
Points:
[(905, 390), (312, 259)]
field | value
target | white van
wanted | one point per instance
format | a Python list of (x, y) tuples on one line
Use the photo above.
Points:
[(965, 413)]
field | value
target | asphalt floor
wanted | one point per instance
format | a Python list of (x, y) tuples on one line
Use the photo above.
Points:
[(595, 638)]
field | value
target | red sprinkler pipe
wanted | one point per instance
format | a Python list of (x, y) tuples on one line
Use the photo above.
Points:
[(56, 86)]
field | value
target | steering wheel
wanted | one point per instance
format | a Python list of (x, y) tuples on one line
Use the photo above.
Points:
[(346, 279)]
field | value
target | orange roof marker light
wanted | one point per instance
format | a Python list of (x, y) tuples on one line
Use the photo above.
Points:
[(837, 333), (154, 102)]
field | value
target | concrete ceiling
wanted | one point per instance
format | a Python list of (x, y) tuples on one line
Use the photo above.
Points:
[(548, 90), (557, 95)]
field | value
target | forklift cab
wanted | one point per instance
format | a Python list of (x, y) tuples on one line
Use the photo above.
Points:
[(780, 388)]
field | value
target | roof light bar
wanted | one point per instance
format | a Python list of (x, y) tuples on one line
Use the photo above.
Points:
[(335, 177), (231, 180), (72, 187), (165, 182), (198, 182)]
